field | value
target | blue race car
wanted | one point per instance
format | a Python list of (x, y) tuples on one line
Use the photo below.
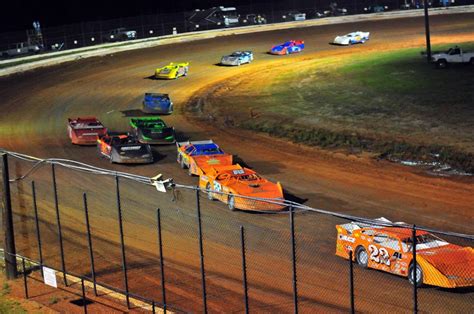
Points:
[(157, 103), (291, 46), (237, 58)]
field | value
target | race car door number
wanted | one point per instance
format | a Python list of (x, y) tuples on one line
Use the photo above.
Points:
[(379, 255)]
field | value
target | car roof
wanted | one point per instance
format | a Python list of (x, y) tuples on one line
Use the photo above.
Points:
[(400, 233), (205, 146)]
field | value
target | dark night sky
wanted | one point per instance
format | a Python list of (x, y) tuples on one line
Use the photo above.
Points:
[(19, 14)]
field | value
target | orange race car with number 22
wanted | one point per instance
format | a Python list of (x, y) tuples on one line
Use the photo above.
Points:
[(390, 249)]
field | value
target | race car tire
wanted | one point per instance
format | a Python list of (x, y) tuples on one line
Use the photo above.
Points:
[(361, 256), (419, 275), (231, 202), (287, 52), (471, 61), (209, 192), (190, 173)]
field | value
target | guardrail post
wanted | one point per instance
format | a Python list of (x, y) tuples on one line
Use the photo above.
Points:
[(25, 281), (162, 268), (201, 252), (293, 257), (244, 269), (89, 241), (9, 234), (58, 220), (351, 281), (38, 233), (415, 288), (122, 243)]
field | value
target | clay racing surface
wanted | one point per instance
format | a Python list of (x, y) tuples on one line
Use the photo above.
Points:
[(35, 107)]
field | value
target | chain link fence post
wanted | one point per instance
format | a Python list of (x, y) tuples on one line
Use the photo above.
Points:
[(9, 234), (201, 251), (37, 227), (89, 242), (244, 269), (58, 220), (122, 243), (414, 273), (293, 257), (162, 268)]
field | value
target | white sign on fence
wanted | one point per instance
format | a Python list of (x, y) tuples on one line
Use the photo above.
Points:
[(50, 277)]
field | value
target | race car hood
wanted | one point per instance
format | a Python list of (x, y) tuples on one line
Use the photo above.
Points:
[(260, 188), (156, 133), (205, 161), (341, 39), (451, 260), (279, 47), (230, 59)]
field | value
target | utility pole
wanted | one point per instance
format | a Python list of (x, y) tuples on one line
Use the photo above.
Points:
[(427, 31), (10, 251)]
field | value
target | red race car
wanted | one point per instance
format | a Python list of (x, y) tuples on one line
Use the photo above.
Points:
[(85, 131)]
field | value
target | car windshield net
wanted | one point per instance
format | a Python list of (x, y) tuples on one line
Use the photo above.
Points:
[(209, 151), (248, 177), (423, 241)]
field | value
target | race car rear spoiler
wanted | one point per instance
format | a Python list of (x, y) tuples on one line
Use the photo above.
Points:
[(179, 144), (355, 225)]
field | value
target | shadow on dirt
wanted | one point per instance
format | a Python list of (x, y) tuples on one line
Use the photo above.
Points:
[(135, 113)]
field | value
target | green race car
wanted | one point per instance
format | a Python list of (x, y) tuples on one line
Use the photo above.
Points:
[(152, 130)]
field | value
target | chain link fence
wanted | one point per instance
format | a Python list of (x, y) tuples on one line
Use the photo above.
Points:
[(193, 254), (87, 34)]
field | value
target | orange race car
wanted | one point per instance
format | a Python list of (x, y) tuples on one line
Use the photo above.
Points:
[(197, 155), (226, 183), (390, 249)]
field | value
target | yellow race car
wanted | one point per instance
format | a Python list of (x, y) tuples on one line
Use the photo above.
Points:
[(172, 71)]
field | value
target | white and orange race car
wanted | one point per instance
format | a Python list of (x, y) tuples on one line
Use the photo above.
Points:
[(197, 155), (390, 249), (229, 183)]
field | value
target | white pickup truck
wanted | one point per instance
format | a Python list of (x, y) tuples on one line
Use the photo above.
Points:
[(453, 55)]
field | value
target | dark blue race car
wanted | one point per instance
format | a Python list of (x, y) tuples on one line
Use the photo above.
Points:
[(157, 103)]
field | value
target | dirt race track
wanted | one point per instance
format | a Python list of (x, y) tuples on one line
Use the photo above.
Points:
[(35, 107)]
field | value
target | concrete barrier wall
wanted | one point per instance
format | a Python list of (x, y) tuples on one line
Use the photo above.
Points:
[(54, 58)]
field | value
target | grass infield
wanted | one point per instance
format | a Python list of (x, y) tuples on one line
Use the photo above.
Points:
[(393, 104)]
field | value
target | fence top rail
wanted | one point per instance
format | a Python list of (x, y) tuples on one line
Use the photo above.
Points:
[(170, 185)]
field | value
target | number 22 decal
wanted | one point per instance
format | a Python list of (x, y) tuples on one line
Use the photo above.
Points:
[(379, 255)]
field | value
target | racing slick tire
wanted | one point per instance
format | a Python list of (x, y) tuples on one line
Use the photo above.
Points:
[(231, 202), (419, 275), (471, 62), (209, 192), (361, 256)]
